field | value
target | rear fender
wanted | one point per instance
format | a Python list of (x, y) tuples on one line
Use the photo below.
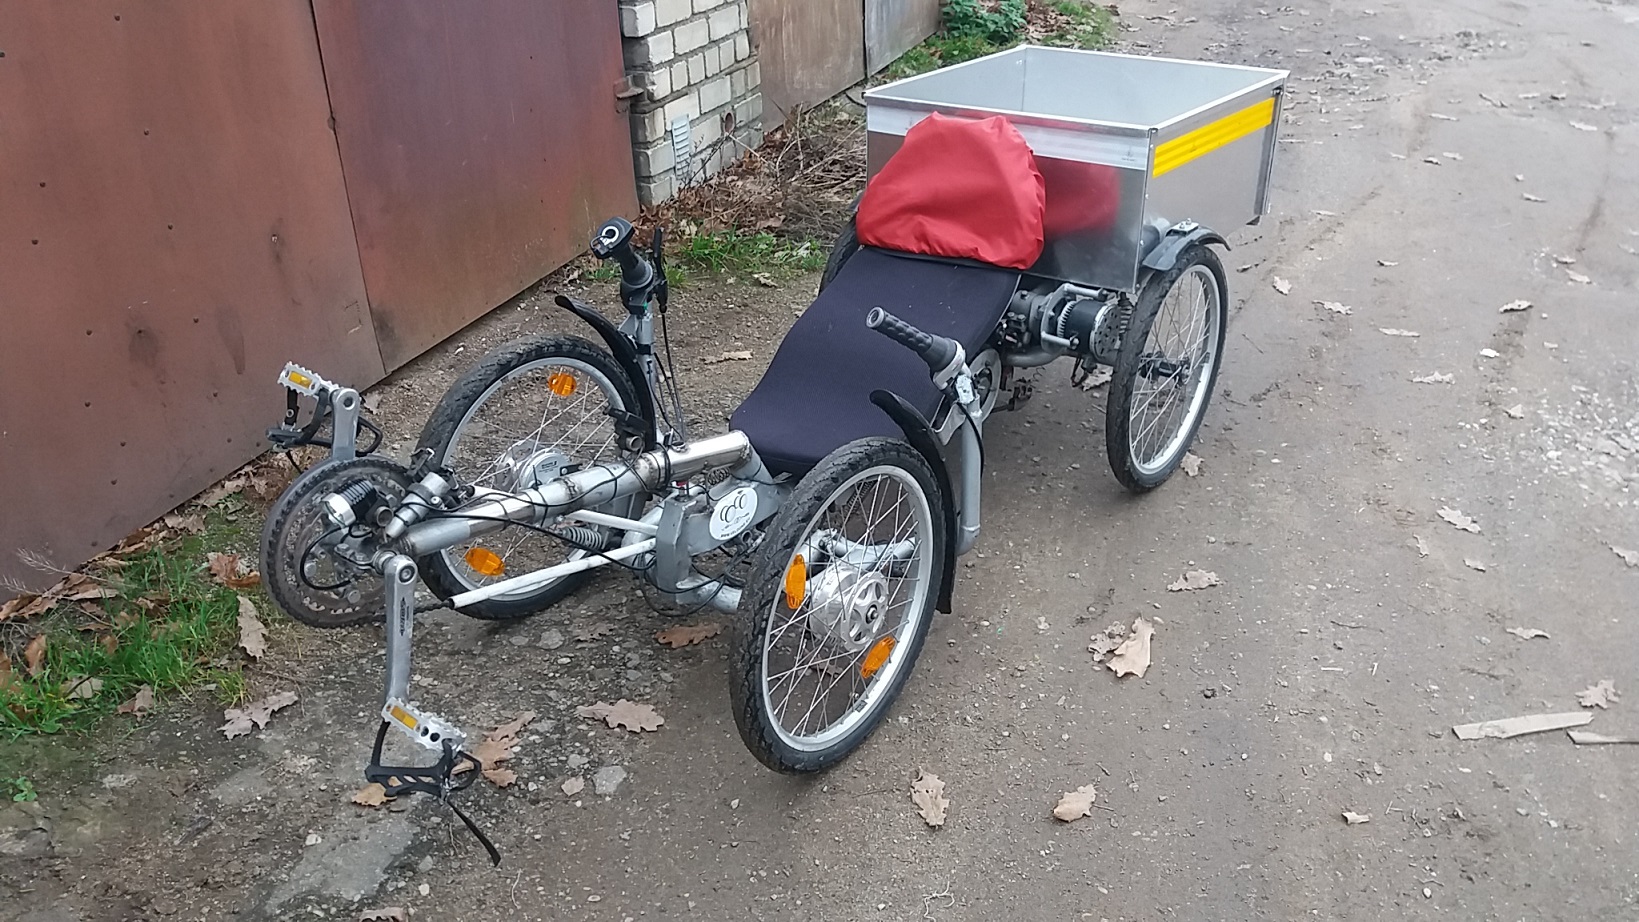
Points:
[(919, 433), (1178, 238)]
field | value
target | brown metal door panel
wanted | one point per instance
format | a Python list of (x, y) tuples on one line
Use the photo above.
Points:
[(482, 146), (810, 50), (175, 228), (893, 27)]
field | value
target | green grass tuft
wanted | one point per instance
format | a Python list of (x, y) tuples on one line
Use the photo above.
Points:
[(741, 253)]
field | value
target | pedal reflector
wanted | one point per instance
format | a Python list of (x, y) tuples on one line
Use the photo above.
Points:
[(561, 383), (402, 716), (484, 561), (876, 657), (796, 583)]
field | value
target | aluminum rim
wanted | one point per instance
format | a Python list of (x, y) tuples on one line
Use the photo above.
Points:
[(576, 426), (813, 687), (1174, 368)]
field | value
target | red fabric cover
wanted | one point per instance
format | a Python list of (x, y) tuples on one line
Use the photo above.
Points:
[(959, 188), (1080, 196)]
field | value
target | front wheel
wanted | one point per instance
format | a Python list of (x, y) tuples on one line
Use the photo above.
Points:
[(1165, 369), (530, 407), (838, 604)]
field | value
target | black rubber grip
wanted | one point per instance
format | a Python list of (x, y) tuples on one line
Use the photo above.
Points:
[(614, 241), (937, 351)]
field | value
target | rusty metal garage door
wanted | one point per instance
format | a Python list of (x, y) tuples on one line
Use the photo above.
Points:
[(893, 27), (482, 144), (808, 50), (174, 228)]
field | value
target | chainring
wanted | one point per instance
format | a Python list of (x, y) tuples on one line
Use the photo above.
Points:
[(315, 584)]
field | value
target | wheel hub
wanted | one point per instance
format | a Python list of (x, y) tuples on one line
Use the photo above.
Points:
[(848, 606)]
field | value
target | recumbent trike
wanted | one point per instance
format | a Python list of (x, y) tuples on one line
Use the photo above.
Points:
[(1028, 227)]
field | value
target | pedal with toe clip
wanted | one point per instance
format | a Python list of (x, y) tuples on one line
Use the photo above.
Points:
[(455, 770)]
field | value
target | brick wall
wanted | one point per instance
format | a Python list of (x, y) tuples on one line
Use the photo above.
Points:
[(702, 104)]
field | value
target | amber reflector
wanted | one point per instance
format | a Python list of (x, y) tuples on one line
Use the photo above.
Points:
[(561, 383), (876, 657), (485, 561), (796, 583)]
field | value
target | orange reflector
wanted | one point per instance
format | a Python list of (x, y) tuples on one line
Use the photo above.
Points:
[(796, 583), (484, 561), (876, 657), (561, 383)]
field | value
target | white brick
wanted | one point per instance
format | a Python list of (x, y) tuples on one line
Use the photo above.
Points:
[(653, 160), (700, 6), (691, 35), (656, 49), (714, 93), (724, 22), (660, 83), (686, 105), (680, 75), (714, 61), (648, 126), (655, 191), (697, 69), (637, 19), (706, 131), (670, 11), (742, 46), (754, 75), (737, 84)]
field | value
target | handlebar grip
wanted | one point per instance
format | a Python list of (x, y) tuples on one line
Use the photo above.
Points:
[(614, 241), (937, 351)]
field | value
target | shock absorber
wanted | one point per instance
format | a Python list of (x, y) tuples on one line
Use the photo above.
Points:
[(581, 536)]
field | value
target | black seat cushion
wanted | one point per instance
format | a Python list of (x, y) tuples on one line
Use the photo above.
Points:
[(816, 395)]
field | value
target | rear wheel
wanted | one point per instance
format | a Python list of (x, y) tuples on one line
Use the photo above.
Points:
[(838, 605), (847, 244), (532, 405), (1166, 368)]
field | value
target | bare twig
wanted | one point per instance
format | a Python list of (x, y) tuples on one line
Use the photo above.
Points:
[(927, 901)]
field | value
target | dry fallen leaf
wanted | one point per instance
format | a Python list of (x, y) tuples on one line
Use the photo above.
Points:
[(1133, 656), (1336, 307), (252, 633), (1388, 264), (1195, 579), (1282, 285), (1420, 544), (189, 524), (1517, 411), (371, 795), (1513, 306), (1438, 377), (679, 636), (764, 279), (1601, 694), (255, 715), (498, 746), (1631, 558), (1433, 160), (223, 490), (1443, 118), (736, 356), (1075, 804), (1584, 126), (1528, 633), (230, 571), (1489, 353), (140, 703), (1473, 564), (390, 914), (1191, 463), (1565, 260), (1391, 331), (34, 655), (1578, 277), (1451, 155), (1533, 198), (628, 714), (1098, 377), (928, 793), (573, 786), (1355, 819), (1459, 521), (80, 689)]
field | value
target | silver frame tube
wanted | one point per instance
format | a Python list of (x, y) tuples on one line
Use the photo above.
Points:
[(537, 577)]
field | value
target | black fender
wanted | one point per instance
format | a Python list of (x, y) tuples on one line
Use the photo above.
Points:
[(625, 354), (1175, 240), (919, 433)]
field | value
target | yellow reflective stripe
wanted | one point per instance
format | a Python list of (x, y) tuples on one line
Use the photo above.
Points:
[(1208, 138)]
